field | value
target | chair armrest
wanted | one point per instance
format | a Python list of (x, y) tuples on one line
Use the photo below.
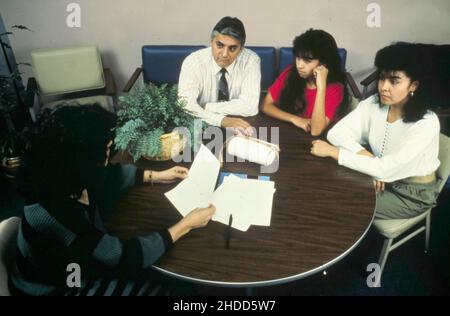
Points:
[(30, 92), (369, 79), (442, 112), (132, 80), (32, 84), (110, 87), (353, 86)]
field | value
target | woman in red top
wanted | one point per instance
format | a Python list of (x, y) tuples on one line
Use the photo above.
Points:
[(312, 91)]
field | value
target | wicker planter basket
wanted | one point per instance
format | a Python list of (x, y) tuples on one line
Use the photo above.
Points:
[(172, 144), (11, 166)]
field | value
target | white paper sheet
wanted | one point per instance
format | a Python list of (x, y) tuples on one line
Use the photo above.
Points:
[(248, 200), (196, 190), (253, 199), (227, 202)]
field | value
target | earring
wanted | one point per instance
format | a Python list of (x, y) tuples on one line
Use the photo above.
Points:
[(411, 93)]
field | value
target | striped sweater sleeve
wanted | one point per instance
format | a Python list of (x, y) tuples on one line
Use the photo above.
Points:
[(48, 243)]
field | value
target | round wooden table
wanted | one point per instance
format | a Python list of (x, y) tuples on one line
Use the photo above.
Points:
[(321, 211)]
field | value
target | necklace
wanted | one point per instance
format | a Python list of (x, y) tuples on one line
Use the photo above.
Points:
[(385, 139)]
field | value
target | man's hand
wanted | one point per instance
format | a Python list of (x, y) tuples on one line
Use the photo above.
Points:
[(304, 124), (239, 125)]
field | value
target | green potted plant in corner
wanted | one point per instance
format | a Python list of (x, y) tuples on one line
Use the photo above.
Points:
[(147, 117), (13, 138)]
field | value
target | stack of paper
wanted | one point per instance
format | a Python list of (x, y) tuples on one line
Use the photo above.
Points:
[(248, 200)]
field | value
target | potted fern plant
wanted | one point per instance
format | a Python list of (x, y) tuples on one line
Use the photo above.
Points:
[(13, 123), (147, 117)]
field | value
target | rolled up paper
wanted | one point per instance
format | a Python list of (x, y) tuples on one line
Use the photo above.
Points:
[(253, 150)]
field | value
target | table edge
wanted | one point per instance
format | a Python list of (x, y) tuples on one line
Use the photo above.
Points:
[(269, 282)]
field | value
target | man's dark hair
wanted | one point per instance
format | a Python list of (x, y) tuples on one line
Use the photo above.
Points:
[(66, 152), (231, 27), (405, 57)]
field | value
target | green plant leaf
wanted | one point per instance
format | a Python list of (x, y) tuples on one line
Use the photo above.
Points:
[(145, 114), (21, 27)]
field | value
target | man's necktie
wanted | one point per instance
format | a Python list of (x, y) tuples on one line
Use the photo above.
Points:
[(223, 87)]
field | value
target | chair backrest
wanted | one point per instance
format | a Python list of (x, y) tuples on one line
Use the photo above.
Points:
[(67, 70), (8, 237), (444, 157), (162, 63), (268, 58), (353, 103), (286, 57)]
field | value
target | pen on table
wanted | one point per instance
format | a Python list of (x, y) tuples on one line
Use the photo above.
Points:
[(230, 221)]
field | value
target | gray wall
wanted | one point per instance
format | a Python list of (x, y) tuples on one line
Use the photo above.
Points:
[(121, 27)]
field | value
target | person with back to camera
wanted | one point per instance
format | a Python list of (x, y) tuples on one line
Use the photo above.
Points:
[(67, 173)]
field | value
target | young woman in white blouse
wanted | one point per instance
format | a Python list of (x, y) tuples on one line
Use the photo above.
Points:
[(401, 133)]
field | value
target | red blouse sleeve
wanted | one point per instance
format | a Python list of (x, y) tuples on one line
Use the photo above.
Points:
[(276, 88), (333, 98)]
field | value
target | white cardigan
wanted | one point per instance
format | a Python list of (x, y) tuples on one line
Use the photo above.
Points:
[(410, 149)]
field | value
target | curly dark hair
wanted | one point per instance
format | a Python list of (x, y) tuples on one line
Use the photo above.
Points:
[(66, 152), (313, 44), (405, 57)]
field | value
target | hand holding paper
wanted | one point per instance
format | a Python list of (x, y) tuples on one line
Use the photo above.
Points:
[(250, 201), (196, 190)]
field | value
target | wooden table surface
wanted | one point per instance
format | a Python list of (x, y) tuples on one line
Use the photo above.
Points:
[(321, 211)]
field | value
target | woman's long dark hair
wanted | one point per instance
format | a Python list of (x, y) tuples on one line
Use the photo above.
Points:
[(313, 44), (66, 152), (405, 57)]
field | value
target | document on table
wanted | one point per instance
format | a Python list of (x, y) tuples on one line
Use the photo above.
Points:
[(248, 200)]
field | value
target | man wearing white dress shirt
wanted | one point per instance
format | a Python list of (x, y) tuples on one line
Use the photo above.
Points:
[(223, 80)]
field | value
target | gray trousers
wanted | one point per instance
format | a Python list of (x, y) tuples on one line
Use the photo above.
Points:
[(401, 200)]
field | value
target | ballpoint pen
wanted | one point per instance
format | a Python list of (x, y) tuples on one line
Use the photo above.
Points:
[(230, 221)]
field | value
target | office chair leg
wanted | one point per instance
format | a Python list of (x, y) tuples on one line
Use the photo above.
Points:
[(112, 104), (427, 232), (32, 115), (384, 254)]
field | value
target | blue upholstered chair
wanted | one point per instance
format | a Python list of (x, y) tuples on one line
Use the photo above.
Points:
[(161, 64), (286, 58), (268, 58)]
